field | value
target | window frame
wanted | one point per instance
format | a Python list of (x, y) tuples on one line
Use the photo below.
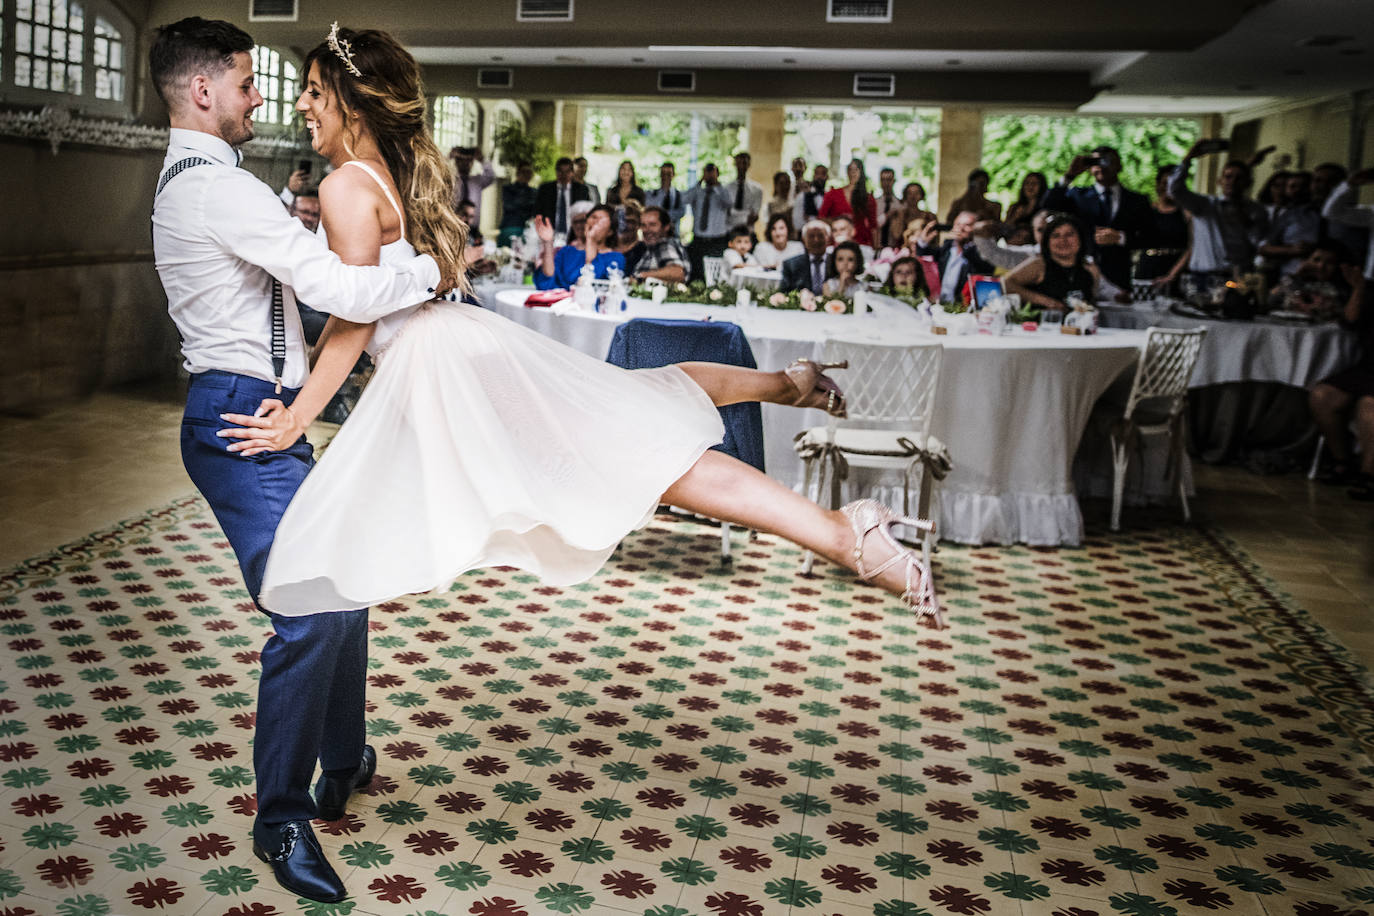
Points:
[(86, 102), (289, 124)]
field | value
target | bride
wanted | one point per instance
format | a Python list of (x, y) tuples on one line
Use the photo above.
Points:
[(479, 442)]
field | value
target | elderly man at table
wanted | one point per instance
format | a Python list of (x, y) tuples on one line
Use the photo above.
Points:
[(957, 258), (1341, 207), (555, 198), (1120, 219), (657, 256), (1294, 226), (1228, 227), (673, 201), (808, 270)]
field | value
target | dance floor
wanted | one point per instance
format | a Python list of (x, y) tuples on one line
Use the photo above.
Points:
[(1141, 726)]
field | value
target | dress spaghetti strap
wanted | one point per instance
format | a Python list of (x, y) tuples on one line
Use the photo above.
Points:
[(385, 190)]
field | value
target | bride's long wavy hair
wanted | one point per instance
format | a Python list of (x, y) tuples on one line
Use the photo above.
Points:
[(390, 101)]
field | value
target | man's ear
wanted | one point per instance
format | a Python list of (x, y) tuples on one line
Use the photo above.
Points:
[(200, 92)]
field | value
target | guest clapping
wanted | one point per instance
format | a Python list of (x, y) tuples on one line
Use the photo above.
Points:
[(562, 270), (844, 267), (777, 245), (1061, 272), (854, 201)]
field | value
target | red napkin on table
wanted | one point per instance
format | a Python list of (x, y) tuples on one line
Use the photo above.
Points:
[(547, 297)]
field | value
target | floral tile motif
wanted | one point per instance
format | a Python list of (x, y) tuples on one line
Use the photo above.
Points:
[(1142, 726)]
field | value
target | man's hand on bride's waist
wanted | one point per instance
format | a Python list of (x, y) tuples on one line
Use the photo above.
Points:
[(273, 428)]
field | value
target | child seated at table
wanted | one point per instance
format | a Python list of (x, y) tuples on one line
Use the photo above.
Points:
[(843, 269), (738, 248)]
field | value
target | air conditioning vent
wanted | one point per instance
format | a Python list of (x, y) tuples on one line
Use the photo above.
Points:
[(858, 11), (272, 11), (875, 84), (543, 10), (677, 81), (495, 78)]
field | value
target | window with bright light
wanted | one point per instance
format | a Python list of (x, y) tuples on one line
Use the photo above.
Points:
[(63, 49), (455, 122), (278, 84)]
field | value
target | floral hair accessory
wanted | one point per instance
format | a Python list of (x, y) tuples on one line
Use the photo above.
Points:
[(343, 49)]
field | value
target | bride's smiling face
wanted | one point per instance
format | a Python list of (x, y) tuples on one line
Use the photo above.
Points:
[(322, 117)]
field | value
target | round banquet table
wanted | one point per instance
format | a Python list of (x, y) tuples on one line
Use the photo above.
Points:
[(759, 279), (1011, 409)]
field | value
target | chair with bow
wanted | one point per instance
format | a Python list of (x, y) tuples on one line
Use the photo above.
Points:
[(1155, 407), (890, 394), (647, 343)]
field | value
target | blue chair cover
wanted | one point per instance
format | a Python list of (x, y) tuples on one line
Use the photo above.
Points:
[(647, 343)]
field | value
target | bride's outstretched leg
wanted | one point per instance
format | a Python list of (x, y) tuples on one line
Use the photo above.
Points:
[(726, 488), (801, 385)]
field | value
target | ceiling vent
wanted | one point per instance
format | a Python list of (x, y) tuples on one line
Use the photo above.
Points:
[(881, 85), (858, 11), (495, 78), (543, 10), (677, 81), (272, 11)]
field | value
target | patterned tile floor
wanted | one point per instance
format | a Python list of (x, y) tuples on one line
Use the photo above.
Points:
[(1142, 726)]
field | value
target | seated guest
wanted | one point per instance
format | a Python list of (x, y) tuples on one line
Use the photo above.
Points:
[(1227, 227), (842, 229), (577, 220), (562, 270), (853, 201), (843, 269), (628, 236), (738, 247), (910, 212), (777, 245), (1009, 256), (555, 199), (1030, 200), (517, 204), (668, 197), (957, 257), (808, 269), (1341, 209), (1349, 395), (625, 189), (1060, 272), (1317, 287), (1168, 245), (1118, 219), (659, 255), (975, 200), (1294, 226), (907, 279), (806, 204), (781, 204)]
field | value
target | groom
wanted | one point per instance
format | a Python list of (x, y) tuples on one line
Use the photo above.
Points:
[(232, 262)]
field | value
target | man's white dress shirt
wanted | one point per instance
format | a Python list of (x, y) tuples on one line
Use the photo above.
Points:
[(471, 187), (753, 203), (670, 199), (219, 237)]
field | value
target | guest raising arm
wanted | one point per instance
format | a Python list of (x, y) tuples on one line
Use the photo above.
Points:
[(1227, 228), (1060, 272), (1341, 208), (561, 270)]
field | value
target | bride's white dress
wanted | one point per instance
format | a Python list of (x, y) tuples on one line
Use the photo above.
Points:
[(481, 443)]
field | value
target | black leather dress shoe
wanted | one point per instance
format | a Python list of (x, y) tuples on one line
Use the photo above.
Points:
[(331, 793), (298, 861)]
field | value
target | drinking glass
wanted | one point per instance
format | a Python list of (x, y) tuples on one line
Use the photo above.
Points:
[(1051, 320)]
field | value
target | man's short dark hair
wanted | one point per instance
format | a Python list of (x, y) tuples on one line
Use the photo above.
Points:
[(580, 160), (1332, 167), (668, 165), (309, 192), (887, 168), (978, 173), (1105, 150), (663, 216), (190, 46), (711, 166), (562, 161), (524, 164)]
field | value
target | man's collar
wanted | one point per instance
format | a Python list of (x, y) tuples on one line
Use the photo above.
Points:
[(212, 147), (1105, 188)]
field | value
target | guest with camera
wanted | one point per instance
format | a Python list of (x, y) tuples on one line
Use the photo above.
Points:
[(1120, 219)]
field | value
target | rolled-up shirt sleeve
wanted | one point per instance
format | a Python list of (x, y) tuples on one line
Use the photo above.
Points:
[(1184, 196), (248, 220)]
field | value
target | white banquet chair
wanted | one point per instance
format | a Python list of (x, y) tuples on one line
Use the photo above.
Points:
[(890, 397), (714, 268), (1155, 407)]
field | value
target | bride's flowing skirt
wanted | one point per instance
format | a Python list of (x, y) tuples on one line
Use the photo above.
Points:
[(481, 443)]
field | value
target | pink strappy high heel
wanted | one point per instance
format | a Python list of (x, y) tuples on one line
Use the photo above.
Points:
[(868, 516)]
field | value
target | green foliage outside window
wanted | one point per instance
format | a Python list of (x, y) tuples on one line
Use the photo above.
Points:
[(650, 138)]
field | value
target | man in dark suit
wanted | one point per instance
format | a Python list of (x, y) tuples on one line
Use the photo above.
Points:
[(957, 257), (807, 271), (556, 197), (1121, 219)]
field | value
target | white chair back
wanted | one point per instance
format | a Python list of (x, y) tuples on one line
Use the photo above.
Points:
[(714, 269), (1165, 365), (888, 385)]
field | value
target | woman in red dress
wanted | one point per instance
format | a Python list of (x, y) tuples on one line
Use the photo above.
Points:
[(854, 201)]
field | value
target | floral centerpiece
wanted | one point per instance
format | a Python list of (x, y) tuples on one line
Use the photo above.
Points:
[(719, 294), (804, 300)]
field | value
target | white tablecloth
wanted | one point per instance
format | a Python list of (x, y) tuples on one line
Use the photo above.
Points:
[(759, 279), (1250, 351), (1011, 409)]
